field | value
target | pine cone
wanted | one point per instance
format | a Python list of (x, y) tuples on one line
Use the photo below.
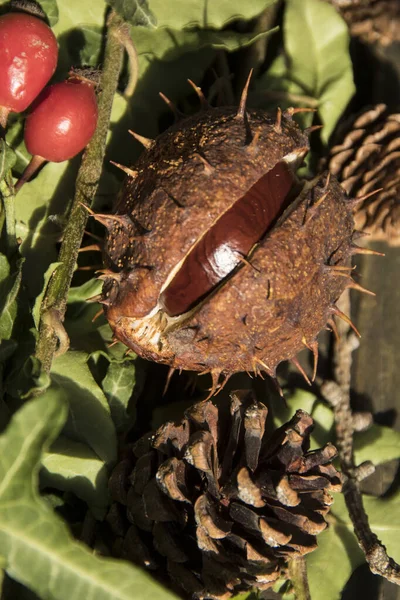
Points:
[(371, 20), (368, 158), (217, 503)]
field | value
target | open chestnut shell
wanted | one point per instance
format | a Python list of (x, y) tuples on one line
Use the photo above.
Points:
[(219, 259)]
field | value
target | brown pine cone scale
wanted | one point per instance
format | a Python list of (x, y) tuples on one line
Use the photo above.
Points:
[(219, 505), (373, 21), (366, 159)]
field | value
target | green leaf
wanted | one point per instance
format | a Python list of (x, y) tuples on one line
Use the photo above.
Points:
[(179, 14), (15, 140), (300, 399), (76, 14), (247, 596), (118, 385), (81, 293), (31, 429), (7, 158), (86, 331), (36, 547), (40, 203), (51, 9), (10, 281), (89, 419), (136, 12), (7, 348), (170, 44), (85, 44), (317, 47), (73, 467), (27, 377), (275, 88), (284, 588)]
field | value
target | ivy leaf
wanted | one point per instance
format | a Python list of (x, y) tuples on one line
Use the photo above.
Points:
[(36, 547), (317, 47), (136, 12)]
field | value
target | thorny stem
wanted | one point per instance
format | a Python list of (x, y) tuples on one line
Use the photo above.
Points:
[(55, 299), (298, 577), (338, 394)]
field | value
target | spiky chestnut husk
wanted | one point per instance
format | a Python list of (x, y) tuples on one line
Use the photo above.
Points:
[(284, 290)]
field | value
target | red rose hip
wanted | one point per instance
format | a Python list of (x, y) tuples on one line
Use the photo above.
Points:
[(62, 121), (61, 124), (28, 58)]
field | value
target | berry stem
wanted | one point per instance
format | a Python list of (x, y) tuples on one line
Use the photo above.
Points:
[(35, 163), (4, 112), (55, 298)]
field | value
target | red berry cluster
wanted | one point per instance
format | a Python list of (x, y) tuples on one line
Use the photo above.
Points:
[(63, 116)]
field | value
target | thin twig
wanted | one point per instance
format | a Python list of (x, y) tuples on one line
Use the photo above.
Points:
[(55, 299), (298, 576), (338, 394), (254, 55), (226, 89), (127, 42), (287, 97)]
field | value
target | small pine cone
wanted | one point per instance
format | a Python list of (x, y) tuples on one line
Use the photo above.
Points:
[(366, 159), (371, 20), (217, 503)]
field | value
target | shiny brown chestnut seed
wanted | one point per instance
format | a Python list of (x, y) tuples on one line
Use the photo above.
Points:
[(219, 259)]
